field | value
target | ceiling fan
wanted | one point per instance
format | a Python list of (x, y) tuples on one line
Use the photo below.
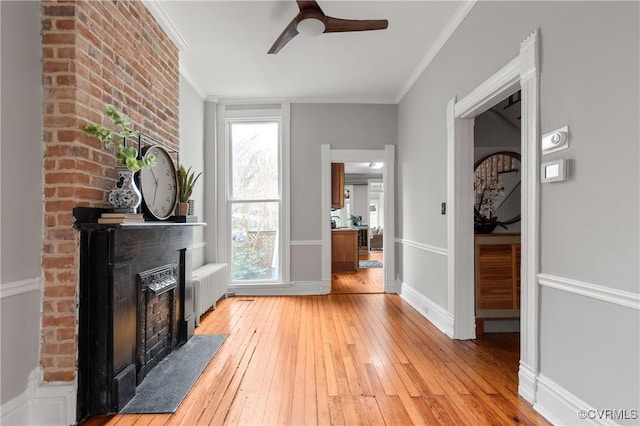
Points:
[(312, 19)]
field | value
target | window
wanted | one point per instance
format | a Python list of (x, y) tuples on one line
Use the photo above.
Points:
[(255, 198)]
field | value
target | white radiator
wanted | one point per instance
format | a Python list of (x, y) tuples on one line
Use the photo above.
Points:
[(209, 285)]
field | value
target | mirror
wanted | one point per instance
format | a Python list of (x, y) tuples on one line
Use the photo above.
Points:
[(497, 189)]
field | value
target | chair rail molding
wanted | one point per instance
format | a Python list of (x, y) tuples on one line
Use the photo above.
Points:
[(305, 242), (424, 247), (618, 297), (19, 287)]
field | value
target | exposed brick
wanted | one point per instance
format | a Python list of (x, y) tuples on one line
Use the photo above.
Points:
[(93, 53), (64, 219), (58, 10), (66, 361), (58, 38), (66, 80), (66, 248), (55, 66), (65, 24), (66, 52), (64, 334), (67, 277), (66, 306), (58, 320), (61, 234), (51, 375)]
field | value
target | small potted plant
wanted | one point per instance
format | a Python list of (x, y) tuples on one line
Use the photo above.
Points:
[(186, 180), (125, 197), (126, 156)]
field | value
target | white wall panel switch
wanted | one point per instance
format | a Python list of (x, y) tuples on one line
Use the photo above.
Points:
[(554, 171)]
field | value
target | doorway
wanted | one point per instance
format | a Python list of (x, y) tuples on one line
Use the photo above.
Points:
[(497, 213), (387, 158), (360, 219), (522, 73)]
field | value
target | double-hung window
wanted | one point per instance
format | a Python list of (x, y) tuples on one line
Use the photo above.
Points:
[(256, 208)]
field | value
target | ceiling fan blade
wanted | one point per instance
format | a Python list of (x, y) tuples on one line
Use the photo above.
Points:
[(289, 32), (337, 25), (308, 5)]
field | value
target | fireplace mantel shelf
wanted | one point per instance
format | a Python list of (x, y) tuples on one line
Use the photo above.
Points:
[(93, 226)]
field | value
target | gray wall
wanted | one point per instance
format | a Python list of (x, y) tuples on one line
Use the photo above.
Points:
[(589, 228), (343, 126), (21, 194), (192, 155)]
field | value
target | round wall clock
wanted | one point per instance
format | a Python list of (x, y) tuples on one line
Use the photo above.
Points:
[(159, 184)]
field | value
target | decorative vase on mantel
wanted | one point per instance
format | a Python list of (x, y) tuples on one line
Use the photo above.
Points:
[(125, 197), (182, 209)]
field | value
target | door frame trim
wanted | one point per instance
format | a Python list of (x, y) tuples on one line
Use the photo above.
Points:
[(387, 156), (521, 73)]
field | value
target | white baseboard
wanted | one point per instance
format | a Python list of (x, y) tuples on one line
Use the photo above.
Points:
[(436, 314), (41, 404), (298, 288), (560, 406), (394, 287), (527, 382)]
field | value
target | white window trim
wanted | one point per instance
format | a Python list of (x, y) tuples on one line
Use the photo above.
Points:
[(255, 113)]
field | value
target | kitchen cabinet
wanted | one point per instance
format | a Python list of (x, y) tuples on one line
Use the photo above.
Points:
[(337, 185), (344, 250), (363, 240)]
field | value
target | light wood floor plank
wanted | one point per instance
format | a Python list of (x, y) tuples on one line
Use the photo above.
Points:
[(344, 359)]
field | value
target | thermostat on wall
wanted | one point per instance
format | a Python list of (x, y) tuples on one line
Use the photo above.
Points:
[(556, 140), (554, 171)]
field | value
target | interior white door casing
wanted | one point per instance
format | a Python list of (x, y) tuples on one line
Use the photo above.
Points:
[(386, 156), (521, 73)]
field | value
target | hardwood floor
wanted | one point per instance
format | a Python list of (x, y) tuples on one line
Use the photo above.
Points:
[(365, 280), (342, 359)]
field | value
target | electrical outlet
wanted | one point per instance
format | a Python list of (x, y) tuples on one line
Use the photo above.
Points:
[(443, 208)]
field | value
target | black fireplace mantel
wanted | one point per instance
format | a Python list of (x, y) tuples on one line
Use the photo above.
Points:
[(115, 264)]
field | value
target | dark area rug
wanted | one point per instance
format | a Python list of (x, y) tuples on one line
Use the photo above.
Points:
[(164, 388), (369, 264)]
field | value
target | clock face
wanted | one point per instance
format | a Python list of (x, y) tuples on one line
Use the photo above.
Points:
[(159, 184)]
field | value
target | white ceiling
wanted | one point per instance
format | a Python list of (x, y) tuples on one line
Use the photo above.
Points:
[(223, 48)]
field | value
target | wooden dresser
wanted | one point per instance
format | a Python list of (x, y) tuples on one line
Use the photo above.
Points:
[(497, 275)]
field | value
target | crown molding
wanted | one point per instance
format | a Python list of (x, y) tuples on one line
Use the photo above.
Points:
[(446, 33), (184, 72), (161, 15), (303, 100)]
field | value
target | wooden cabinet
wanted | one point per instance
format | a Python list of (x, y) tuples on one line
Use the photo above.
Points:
[(363, 240), (344, 250), (497, 275), (337, 185)]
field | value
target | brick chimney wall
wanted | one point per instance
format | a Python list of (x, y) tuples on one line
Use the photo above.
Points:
[(93, 53)]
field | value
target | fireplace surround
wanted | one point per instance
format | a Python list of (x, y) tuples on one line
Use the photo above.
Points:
[(135, 306)]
